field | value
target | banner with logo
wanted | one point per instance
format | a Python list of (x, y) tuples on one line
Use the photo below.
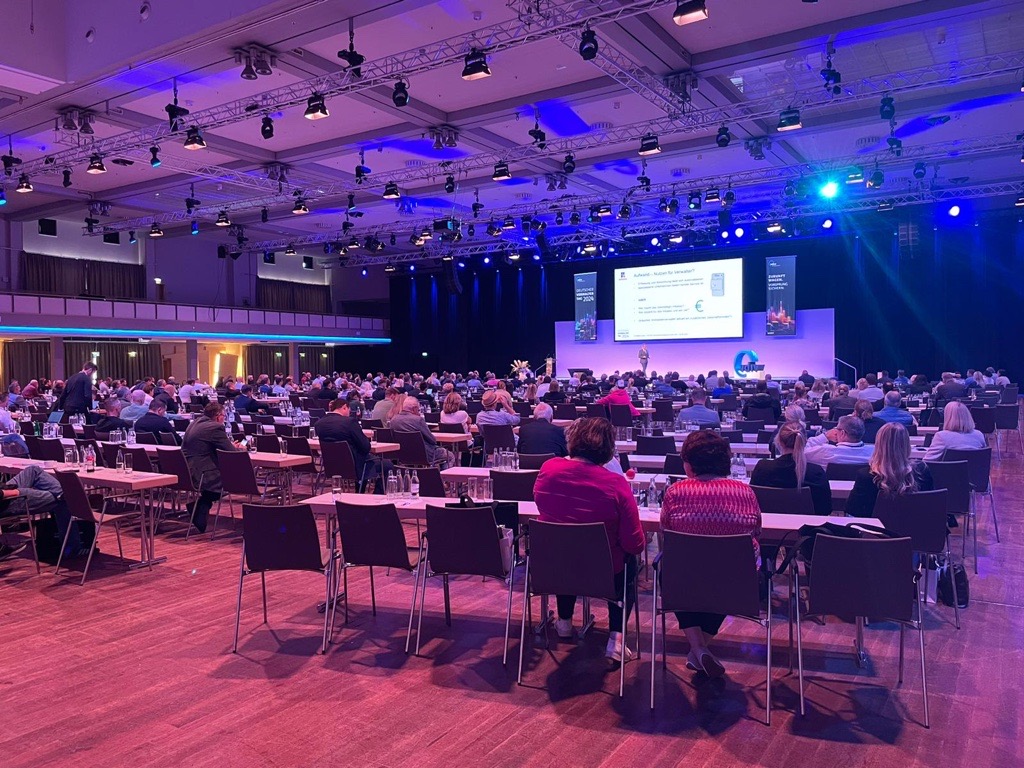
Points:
[(585, 290), (780, 319)]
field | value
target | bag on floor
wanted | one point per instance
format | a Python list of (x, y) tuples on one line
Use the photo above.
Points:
[(48, 540), (947, 573)]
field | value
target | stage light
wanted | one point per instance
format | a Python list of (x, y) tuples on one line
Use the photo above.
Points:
[(569, 164), (877, 179), (831, 77), (723, 138), (67, 178), (694, 201), (132, 240), (475, 66), (673, 206), (261, 66), (400, 94), (724, 234), (389, 268), (885, 205), (493, 229), (24, 185), (391, 191), (155, 231), (774, 227), (655, 242), (588, 45), (222, 219), (508, 223), (267, 127), (739, 232), (689, 11), (887, 108), (728, 199), (300, 208), (501, 172), (574, 218), (828, 190), (248, 73), (487, 259), (954, 210), (316, 108), (855, 176), (194, 139), (590, 247), (264, 215), (154, 160), (827, 223), (920, 170), (712, 196), (789, 120), (449, 184), (559, 219), (364, 272), (790, 189), (676, 238), (96, 165), (412, 267), (649, 145)]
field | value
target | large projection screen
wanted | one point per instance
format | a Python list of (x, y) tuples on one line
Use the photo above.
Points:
[(696, 300)]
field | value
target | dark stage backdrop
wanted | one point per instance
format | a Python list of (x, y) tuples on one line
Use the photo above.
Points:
[(950, 300)]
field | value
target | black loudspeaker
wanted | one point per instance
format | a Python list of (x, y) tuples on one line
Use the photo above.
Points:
[(222, 251), (451, 278)]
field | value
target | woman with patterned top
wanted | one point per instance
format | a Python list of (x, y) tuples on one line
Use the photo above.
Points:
[(708, 503)]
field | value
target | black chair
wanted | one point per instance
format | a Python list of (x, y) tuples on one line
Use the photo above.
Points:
[(281, 539), (571, 559), (652, 446), (458, 541), (843, 471), (979, 467), (523, 409), (664, 412), (764, 415), (566, 411), (497, 436), (1009, 395), (533, 460), (785, 501), (431, 483), (861, 578), (984, 420), (621, 416), (1007, 423), (674, 464), (753, 426), (173, 462), (412, 451), (337, 460), (597, 411), (238, 478), (514, 486), (146, 438), (709, 574)]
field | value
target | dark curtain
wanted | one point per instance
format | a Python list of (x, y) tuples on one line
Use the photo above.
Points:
[(74, 277), (270, 359), (293, 297), (26, 360), (116, 359), (316, 358), (948, 302)]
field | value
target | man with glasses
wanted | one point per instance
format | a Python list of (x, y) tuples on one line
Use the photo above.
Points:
[(844, 444)]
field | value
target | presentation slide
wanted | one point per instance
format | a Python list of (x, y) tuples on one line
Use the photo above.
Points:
[(697, 300), (585, 294), (780, 314)]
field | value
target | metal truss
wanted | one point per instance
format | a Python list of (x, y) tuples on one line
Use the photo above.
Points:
[(557, 19)]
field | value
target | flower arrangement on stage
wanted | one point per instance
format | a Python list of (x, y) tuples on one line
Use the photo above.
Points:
[(520, 365)]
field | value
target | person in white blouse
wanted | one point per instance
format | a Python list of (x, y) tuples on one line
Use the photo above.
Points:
[(842, 445), (452, 412), (958, 432)]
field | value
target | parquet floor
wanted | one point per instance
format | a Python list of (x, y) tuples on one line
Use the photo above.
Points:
[(135, 669)]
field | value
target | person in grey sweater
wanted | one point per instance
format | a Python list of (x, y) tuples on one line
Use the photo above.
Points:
[(410, 420)]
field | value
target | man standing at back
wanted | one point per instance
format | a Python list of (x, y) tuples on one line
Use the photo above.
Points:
[(77, 396)]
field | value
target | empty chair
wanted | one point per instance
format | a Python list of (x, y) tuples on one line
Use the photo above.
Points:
[(238, 478), (752, 426), (1009, 395), (834, 413), (674, 464), (732, 435), (383, 435), (663, 412), (979, 466), (843, 471), (621, 416), (289, 430), (431, 482), (785, 501), (709, 574), (764, 415), (533, 460), (168, 439), (864, 577), (523, 409), (263, 418), (140, 459), (812, 417), (984, 420), (413, 451), (268, 444), (145, 438), (458, 541), (513, 486), (498, 436), (370, 535), (566, 411), (1008, 423), (596, 411), (299, 446), (652, 446), (89, 431), (280, 539), (44, 449), (173, 462)]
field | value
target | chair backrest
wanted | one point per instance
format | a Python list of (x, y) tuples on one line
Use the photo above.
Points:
[(533, 460), (954, 478), (984, 419), (650, 446), (812, 417), (236, 473), (566, 411), (765, 436), (835, 413), (384, 435), (451, 429), (523, 409), (372, 534), (298, 446), (498, 436), (844, 471), (75, 497), (168, 438), (621, 415), (89, 431), (785, 501), (268, 444), (709, 574), (513, 486), (663, 410), (1007, 416), (338, 459), (173, 462), (412, 449), (764, 415), (473, 407), (595, 411), (431, 482), (145, 438), (732, 435), (432, 417), (920, 515), (371, 423), (862, 577), (753, 426), (674, 464), (81, 443), (263, 418), (464, 540), (979, 464), (572, 559), (280, 538), (1009, 395)]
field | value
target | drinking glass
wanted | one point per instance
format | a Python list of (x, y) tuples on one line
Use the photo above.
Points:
[(283, 445), (128, 463), (70, 457), (336, 486)]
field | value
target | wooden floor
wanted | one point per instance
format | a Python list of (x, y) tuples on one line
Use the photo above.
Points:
[(135, 669)]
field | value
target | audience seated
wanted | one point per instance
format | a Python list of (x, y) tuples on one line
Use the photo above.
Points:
[(203, 438), (540, 435), (554, 393), (890, 472), (619, 396), (494, 411), (698, 412), (843, 444), (957, 432), (137, 409), (792, 470), (112, 419), (411, 420), (762, 399), (892, 413), (453, 412), (155, 421), (865, 411)]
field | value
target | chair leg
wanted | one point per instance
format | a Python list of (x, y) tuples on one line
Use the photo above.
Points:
[(526, 609), (263, 584), (117, 533), (447, 602), (952, 580), (654, 635), (423, 600), (328, 577), (799, 643), (373, 597), (768, 663), (992, 507), (508, 615), (92, 549), (63, 546), (420, 565), (238, 609), (974, 529), (924, 675), (345, 589)]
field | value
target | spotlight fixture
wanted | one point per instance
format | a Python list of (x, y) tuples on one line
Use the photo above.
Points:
[(400, 95), (316, 108), (789, 120), (855, 175), (67, 122), (290, 250), (475, 66), (569, 164), (728, 199), (248, 73), (493, 229), (625, 210), (712, 196), (261, 64), (449, 184), (649, 145), (300, 208), (540, 138), (574, 218), (508, 223), (67, 178), (885, 205), (267, 127), (389, 268), (391, 191), (416, 239), (559, 219), (723, 138), (588, 45), (896, 145), (96, 165), (739, 232), (663, 205), (155, 231), (501, 172), (920, 170), (269, 257), (828, 223), (24, 185), (790, 189), (86, 123), (132, 239), (876, 180), (195, 227), (1020, 202), (222, 219), (264, 215), (829, 189), (887, 108), (831, 77), (694, 201), (689, 11), (194, 139), (954, 210), (352, 58), (774, 227)]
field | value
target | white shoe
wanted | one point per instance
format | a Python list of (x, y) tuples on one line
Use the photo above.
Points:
[(564, 628), (614, 648)]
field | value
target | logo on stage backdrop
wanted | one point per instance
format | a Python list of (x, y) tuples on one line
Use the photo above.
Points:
[(747, 356)]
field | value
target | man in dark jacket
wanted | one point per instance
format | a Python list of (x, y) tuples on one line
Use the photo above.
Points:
[(203, 438), (245, 403), (540, 435), (113, 419), (762, 399), (339, 426), (156, 420), (77, 395)]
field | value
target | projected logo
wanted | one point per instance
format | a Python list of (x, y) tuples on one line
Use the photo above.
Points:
[(747, 356)]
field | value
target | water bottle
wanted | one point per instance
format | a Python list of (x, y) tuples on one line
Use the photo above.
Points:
[(131, 436), (120, 462), (391, 486), (738, 468), (90, 459), (414, 485), (652, 495), (406, 484), (494, 459), (515, 462)]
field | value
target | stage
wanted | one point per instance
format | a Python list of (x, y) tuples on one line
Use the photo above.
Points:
[(813, 348)]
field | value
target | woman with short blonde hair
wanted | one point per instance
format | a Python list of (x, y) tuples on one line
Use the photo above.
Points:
[(958, 432)]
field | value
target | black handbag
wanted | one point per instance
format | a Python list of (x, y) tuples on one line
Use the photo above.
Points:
[(947, 573)]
